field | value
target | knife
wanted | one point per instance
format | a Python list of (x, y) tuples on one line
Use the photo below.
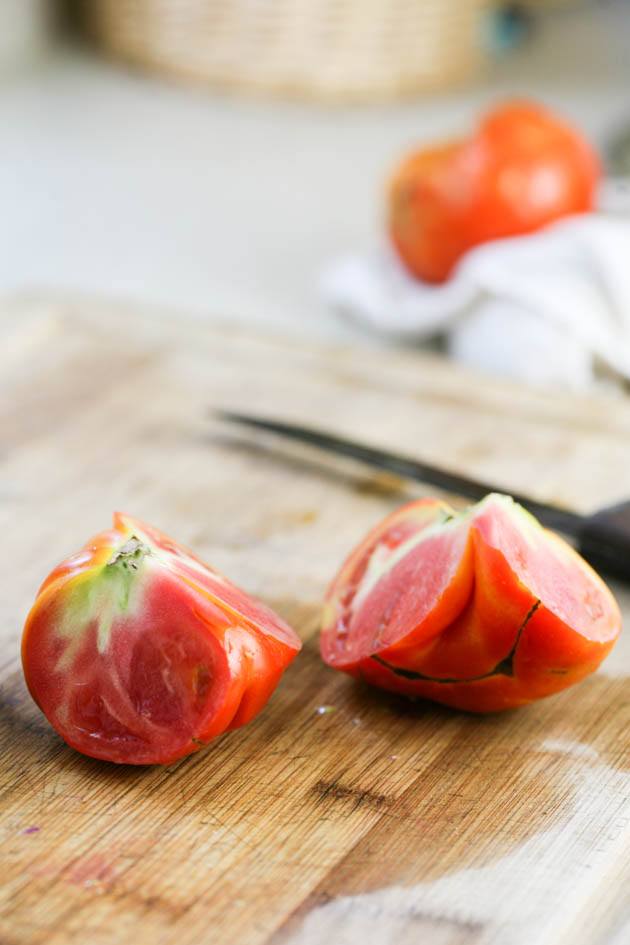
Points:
[(602, 537)]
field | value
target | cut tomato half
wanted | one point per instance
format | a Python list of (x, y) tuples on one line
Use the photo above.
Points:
[(138, 652), (481, 610)]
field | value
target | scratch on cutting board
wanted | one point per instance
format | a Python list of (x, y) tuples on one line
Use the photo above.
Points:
[(360, 797)]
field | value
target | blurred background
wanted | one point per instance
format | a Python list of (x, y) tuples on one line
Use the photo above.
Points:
[(231, 158)]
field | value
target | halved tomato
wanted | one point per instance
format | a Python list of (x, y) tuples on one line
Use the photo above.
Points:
[(482, 610), (138, 652)]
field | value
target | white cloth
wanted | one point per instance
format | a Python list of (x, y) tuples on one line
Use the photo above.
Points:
[(550, 308)]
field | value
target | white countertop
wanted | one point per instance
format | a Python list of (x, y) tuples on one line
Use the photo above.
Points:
[(120, 184)]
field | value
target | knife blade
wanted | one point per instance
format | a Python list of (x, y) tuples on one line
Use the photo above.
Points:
[(602, 537)]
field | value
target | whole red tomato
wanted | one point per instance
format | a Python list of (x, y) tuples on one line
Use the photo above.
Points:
[(521, 169), (138, 652)]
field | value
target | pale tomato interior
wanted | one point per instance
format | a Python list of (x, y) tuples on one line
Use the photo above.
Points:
[(394, 593)]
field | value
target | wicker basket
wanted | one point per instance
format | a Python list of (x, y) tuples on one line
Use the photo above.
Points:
[(324, 49)]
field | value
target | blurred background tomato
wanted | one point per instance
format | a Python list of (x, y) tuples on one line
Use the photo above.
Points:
[(225, 157)]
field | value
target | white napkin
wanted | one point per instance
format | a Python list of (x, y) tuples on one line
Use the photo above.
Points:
[(551, 308)]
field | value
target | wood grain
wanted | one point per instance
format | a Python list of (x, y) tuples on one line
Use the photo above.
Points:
[(380, 821)]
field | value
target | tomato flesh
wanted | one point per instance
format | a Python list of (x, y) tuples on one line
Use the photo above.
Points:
[(139, 653)]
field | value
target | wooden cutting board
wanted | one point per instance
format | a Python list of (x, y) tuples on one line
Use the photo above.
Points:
[(341, 815)]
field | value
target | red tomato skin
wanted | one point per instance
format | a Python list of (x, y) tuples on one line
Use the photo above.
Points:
[(523, 168), (499, 634), (143, 656)]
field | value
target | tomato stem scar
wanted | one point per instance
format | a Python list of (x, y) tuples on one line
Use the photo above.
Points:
[(130, 554)]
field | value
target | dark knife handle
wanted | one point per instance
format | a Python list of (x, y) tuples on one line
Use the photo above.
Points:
[(604, 540)]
